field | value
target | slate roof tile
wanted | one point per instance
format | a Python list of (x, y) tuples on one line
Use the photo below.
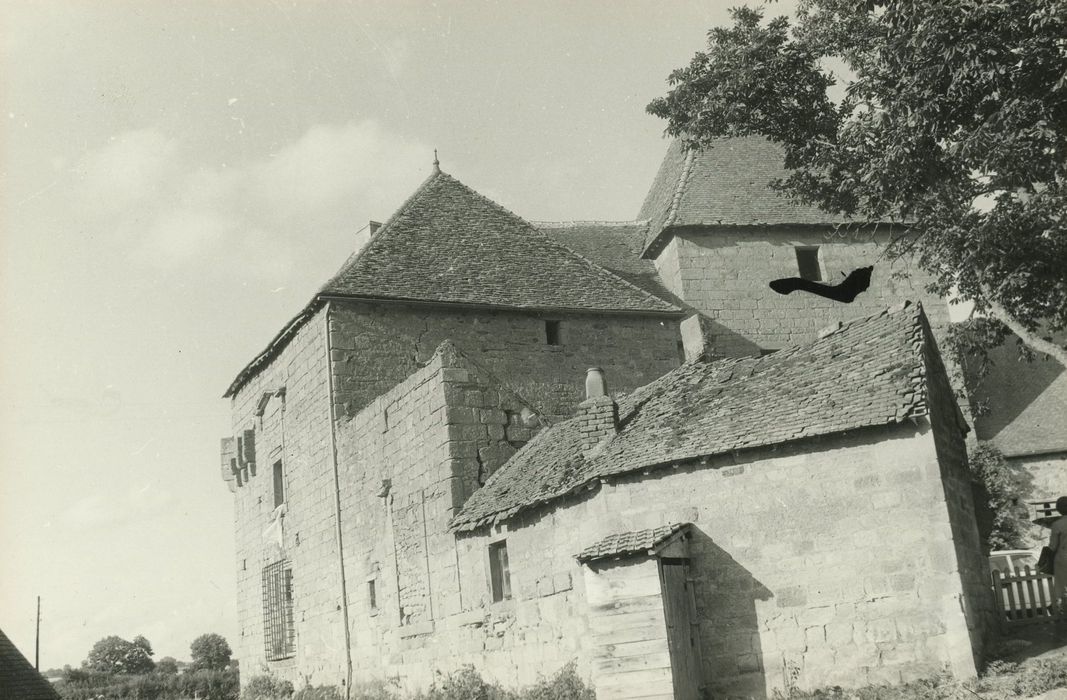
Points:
[(868, 372), (448, 243), (626, 543), (1027, 401), (18, 678), (726, 184), (615, 246)]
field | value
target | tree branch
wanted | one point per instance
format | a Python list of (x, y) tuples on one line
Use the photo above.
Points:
[(1036, 342)]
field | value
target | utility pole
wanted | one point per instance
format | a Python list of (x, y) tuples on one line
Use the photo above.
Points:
[(37, 643)]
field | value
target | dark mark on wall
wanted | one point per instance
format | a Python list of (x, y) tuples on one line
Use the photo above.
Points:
[(852, 286)]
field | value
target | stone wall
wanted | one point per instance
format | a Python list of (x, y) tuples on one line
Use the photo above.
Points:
[(828, 562), (409, 459), (1048, 481), (723, 274), (376, 346), (294, 428), (971, 566), (373, 349)]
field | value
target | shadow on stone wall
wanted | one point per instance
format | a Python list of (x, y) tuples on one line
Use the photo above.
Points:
[(726, 593)]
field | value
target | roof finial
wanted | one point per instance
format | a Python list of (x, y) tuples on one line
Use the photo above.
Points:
[(436, 163)]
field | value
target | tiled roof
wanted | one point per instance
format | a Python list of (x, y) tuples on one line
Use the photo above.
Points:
[(1026, 402), (615, 246), (448, 244), (726, 184), (18, 678), (626, 543), (867, 372)]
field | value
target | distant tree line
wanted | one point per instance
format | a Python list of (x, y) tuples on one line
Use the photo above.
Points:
[(117, 669)]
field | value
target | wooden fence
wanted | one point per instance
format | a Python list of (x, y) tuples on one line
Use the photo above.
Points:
[(1025, 597)]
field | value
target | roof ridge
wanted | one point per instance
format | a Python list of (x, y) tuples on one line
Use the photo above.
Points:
[(840, 326), (575, 223), (679, 192), (390, 222)]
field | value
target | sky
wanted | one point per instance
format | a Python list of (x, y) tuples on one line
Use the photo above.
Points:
[(176, 181)]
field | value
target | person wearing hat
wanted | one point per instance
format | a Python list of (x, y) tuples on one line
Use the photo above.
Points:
[(1057, 542)]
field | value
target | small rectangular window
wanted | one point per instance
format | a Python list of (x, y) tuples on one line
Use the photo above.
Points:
[(500, 575), (279, 632), (552, 332), (279, 484), (372, 596), (808, 263)]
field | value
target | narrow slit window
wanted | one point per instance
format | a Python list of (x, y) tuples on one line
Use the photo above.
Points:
[(372, 596), (808, 263), (552, 332), (499, 573), (279, 484)]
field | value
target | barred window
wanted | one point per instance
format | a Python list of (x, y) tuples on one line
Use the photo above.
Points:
[(279, 634)]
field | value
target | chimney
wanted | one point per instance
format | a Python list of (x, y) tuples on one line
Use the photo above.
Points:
[(598, 415)]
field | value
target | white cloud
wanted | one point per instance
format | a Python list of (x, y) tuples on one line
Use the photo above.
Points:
[(127, 171), (330, 164), (180, 235), (134, 505), (171, 212)]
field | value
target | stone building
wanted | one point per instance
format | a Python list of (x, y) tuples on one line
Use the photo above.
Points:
[(401, 508), (1025, 416)]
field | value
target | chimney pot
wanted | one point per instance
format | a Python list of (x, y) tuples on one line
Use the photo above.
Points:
[(595, 383)]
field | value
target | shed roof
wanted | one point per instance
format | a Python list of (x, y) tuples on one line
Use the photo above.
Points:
[(867, 372), (725, 184), (18, 678), (1027, 401), (629, 543)]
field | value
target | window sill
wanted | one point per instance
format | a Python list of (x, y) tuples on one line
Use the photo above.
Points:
[(416, 630)]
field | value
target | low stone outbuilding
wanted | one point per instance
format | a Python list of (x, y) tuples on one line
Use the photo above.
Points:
[(801, 519)]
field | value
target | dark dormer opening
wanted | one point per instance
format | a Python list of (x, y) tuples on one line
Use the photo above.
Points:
[(808, 263), (552, 332)]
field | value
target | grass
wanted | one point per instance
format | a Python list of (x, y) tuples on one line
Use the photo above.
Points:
[(999, 680)]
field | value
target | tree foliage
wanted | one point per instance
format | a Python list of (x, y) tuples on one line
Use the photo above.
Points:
[(115, 655), (168, 665), (1002, 488), (210, 651), (953, 126), (140, 641)]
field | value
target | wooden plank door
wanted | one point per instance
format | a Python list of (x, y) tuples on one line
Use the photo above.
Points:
[(681, 641)]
